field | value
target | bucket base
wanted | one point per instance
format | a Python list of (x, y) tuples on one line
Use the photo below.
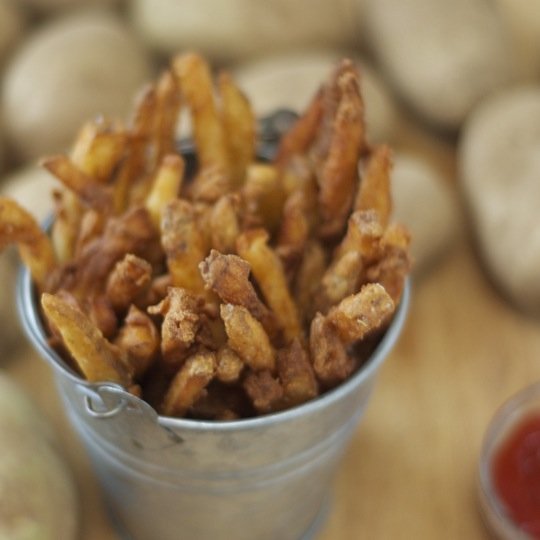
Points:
[(310, 534)]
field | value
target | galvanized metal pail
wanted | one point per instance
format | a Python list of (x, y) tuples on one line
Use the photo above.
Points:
[(265, 478)]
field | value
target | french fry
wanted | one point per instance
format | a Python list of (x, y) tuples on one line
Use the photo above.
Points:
[(181, 321), (229, 365), (268, 271), (140, 340), (339, 173), (101, 314), (374, 188), (264, 391), (211, 183), (224, 223), (97, 359), (360, 314), (19, 227), (247, 338), (296, 374), (228, 277), (184, 245), (168, 105), (237, 117), (166, 186), (129, 280), (189, 383), (195, 81)]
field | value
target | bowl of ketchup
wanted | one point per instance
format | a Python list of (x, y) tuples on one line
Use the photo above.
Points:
[(509, 469)]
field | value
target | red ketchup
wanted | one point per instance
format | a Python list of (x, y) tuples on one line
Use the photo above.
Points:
[(516, 474)]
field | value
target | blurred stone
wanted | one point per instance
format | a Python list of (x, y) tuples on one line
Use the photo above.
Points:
[(442, 57), (499, 159)]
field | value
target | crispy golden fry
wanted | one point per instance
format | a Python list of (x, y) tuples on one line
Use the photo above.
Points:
[(98, 149), (65, 229), (166, 186), (211, 183), (301, 135), (19, 227), (97, 359), (268, 271), (264, 391), (189, 383), (128, 281), (228, 277), (140, 340), (331, 362), (340, 280), (374, 188), (339, 173), (181, 322), (247, 338), (229, 365), (364, 234), (89, 191), (184, 245), (91, 227), (195, 81), (224, 223), (101, 313), (296, 374), (263, 195), (238, 118), (308, 279), (360, 314), (135, 164), (166, 115)]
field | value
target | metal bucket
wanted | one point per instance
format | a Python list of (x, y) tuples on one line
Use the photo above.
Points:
[(170, 478)]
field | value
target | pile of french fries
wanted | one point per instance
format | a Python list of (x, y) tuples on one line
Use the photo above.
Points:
[(245, 289)]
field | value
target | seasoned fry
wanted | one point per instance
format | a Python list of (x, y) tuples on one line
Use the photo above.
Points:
[(228, 276), (184, 245), (238, 118), (331, 362), (17, 226), (229, 365), (97, 359), (128, 281), (268, 271), (374, 189), (140, 340), (211, 183), (167, 109), (247, 338), (189, 383), (166, 186), (264, 391), (360, 314), (224, 223), (296, 374), (101, 313), (181, 321), (195, 81)]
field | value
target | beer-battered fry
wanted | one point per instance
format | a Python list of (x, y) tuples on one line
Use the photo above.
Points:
[(264, 391), (228, 277), (166, 186), (331, 362), (268, 271), (195, 81), (189, 383), (181, 321), (101, 313), (128, 281), (184, 245), (140, 340), (364, 234), (339, 172), (237, 117), (301, 135), (224, 224), (247, 338), (97, 359), (211, 183), (89, 191), (98, 149), (374, 188), (296, 374), (168, 105), (19, 227), (229, 365), (360, 314)]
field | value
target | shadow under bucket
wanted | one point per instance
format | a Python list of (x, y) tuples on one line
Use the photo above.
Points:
[(168, 478)]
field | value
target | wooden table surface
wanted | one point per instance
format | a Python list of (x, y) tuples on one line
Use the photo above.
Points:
[(410, 469)]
